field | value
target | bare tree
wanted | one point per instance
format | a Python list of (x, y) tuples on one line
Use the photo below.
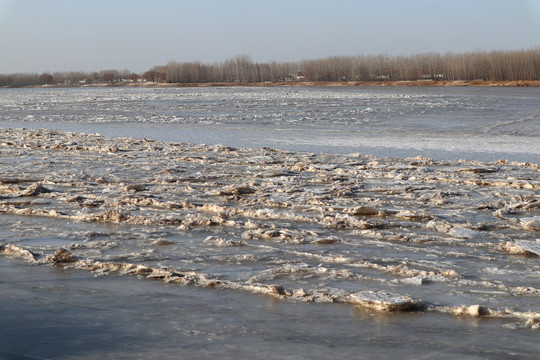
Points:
[(133, 77), (46, 79), (109, 76)]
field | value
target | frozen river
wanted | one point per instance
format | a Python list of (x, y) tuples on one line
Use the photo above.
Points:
[(445, 123), (315, 223)]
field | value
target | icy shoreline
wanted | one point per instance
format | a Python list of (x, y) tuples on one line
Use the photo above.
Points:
[(404, 83)]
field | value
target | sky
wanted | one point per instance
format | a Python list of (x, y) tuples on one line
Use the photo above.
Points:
[(93, 35)]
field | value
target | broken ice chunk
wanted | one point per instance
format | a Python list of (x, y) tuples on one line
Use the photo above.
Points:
[(34, 189), (472, 310), (416, 280), (531, 223), (521, 247), (366, 211), (17, 252), (385, 301), (135, 187), (464, 233)]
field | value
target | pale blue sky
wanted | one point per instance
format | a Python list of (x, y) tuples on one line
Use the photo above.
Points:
[(71, 35)]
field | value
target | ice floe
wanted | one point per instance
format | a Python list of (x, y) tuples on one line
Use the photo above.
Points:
[(383, 234)]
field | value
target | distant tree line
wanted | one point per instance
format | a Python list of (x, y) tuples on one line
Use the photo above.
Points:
[(520, 65), (68, 78)]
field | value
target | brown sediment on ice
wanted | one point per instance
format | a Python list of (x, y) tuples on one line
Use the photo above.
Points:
[(301, 218)]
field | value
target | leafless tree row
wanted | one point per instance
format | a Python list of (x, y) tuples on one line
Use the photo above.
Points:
[(240, 69), (67, 78), (479, 65)]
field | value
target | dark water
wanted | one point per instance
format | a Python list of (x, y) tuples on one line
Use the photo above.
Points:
[(50, 314)]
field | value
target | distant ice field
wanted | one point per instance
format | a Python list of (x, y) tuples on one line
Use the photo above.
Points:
[(484, 124)]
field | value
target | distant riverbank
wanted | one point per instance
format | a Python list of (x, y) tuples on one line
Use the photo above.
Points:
[(354, 83), (425, 83)]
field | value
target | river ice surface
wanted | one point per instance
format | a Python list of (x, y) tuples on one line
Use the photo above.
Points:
[(136, 248), (444, 123)]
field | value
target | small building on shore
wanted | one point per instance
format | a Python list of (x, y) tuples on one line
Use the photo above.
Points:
[(297, 76)]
